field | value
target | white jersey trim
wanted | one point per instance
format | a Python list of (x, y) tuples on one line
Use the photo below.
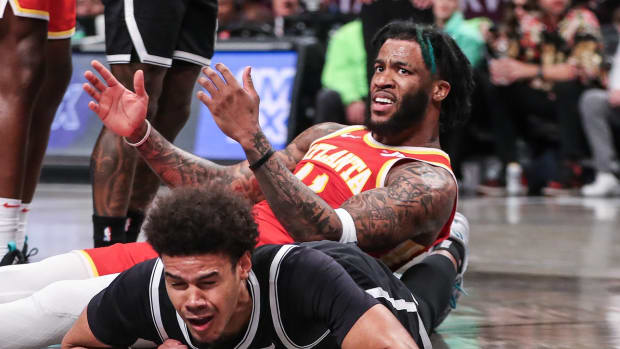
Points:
[(274, 271), (138, 43), (158, 269), (402, 304), (116, 59), (191, 58)]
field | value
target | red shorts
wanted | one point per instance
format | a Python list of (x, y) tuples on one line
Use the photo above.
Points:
[(118, 257), (59, 13)]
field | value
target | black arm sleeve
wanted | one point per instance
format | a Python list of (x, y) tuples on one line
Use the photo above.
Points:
[(119, 314), (313, 287)]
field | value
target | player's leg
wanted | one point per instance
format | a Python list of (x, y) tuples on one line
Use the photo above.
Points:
[(57, 77), (172, 114), (437, 280), (22, 280), (113, 162), (193, 48), (43, 318), (22, 67)]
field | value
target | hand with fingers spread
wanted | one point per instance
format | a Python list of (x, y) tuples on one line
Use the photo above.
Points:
[(121, 110), (234, 107)]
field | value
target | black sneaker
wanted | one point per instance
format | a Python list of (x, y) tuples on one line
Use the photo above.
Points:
[(14, 256)]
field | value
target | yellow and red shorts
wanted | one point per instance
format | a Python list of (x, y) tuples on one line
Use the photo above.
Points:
[(59, 13), (118, 257)]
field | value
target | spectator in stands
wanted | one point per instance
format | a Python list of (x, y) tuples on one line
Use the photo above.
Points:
[(345, 84), (600, 114), (491, 9), (468, 34), (555, 58)]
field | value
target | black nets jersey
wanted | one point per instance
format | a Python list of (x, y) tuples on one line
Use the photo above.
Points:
[(307, 295)]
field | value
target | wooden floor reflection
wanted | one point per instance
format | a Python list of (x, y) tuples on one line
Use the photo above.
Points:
[(544, 273)]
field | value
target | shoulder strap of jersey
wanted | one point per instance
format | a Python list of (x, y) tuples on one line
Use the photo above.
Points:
[(158, 269), (276, 317)]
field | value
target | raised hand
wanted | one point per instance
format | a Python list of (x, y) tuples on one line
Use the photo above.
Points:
[(121, 110), (234, 108)]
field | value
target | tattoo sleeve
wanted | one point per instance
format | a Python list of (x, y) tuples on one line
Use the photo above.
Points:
[(415, 203), (302, 212), (176, 167)]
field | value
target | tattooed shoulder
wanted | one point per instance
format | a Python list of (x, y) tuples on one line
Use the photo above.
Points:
[(300, 145), (413, 178)]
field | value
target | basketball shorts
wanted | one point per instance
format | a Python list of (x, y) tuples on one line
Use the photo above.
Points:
[(159, 31), (59, 13), (118, 257)]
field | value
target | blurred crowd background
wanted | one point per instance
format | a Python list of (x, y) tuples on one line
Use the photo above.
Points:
[(546, 111)]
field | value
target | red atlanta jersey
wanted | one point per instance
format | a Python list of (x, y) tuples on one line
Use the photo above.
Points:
[(345, 163)]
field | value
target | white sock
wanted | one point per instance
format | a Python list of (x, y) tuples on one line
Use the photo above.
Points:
[(9, 213), (20, 236)]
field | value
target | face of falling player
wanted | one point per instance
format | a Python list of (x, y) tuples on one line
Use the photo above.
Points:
[(209, 292)]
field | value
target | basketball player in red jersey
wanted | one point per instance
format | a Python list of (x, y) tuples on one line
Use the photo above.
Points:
[(386, 185), (35, 69)]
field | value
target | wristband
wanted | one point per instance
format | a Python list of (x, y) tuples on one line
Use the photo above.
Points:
[(146, 136), (262, 160)]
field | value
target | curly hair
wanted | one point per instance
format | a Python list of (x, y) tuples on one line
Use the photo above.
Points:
[(442, 57), (191, 221)]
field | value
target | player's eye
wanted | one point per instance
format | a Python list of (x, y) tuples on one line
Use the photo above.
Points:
[(403, 71)]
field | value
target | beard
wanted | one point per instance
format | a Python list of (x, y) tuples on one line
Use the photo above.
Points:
[(410, 113)]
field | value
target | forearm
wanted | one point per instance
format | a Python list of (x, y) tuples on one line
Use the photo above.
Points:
[(176, 167), (302, 212)]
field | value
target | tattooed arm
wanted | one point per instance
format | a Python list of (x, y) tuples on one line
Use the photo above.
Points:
[(415, 204), (177, 167), (124, 112)]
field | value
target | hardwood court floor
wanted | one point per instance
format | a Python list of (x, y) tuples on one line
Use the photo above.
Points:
[(543, 272)]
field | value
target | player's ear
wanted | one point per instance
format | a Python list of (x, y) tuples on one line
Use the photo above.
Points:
[(244, 265), (440, 91)]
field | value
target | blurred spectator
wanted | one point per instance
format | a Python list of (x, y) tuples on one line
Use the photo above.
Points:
[(556, 56), (345, 85), (491, 9), (600, 114), (468, 34), (90, 21)]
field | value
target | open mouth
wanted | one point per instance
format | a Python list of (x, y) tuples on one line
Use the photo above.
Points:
[(200, 323), (382, 102)]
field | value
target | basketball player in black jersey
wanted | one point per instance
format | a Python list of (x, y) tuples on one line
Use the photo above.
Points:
[(211, 289)]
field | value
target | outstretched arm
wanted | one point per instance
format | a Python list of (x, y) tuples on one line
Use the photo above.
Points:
[(124, 112)]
